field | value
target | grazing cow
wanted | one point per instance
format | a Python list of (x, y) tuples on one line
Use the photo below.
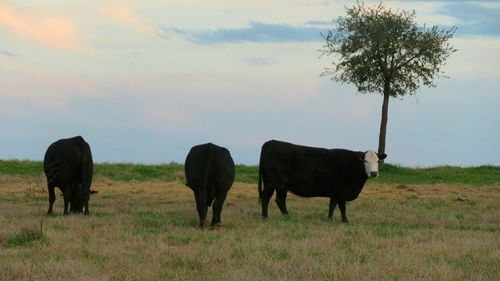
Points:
[(209, 173), (313, 172), (68, 165)]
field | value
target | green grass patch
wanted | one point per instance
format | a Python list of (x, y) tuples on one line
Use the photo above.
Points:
[(156, 222), (148, 223), (179, 239), (25, 237), (482, 175), (276, 252), (140, 172), (388, 229), (248, 174), (389, 174), (21, 168)]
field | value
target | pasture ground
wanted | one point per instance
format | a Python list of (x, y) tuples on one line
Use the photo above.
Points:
[(146, 230)]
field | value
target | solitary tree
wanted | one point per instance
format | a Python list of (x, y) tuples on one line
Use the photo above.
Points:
[(380, 50)]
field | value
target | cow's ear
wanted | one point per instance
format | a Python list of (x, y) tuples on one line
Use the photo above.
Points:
[(362, 157), (382, 156)]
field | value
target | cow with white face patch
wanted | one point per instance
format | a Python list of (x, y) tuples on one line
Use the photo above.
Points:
[(338, 174)]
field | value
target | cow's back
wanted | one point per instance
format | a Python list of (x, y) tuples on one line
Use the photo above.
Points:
[(286, 158), (69, 161), (208, 163)]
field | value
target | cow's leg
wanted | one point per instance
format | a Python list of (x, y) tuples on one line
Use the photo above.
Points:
[(343, 211), (85, 201), (72, 204), (333, 204), (52, 198), (67, 198), (281, 200), (267, 193), (217, 209), (201, 206), (86, 211)]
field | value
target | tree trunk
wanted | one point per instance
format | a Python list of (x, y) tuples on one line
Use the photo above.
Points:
[(383, 122)]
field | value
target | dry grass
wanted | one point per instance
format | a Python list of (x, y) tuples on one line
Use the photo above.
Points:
[(147, 231)]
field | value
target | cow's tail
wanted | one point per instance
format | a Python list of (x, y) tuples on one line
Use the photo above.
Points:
[(260, 184), (206, 174)]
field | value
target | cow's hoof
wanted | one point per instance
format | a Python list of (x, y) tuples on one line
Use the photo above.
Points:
[(215, 225)]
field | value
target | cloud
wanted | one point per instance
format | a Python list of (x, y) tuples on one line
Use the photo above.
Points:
[(8, 53), (124, 15), (256, 32), (493, 4), (474, 18), (257, 61), (53, 31), (325, 23)]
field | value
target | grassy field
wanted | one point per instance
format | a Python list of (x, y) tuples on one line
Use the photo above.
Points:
[(146, 230)]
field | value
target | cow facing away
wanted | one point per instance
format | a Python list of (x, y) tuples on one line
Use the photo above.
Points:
[(209, 173), (68, 165), (338, 174)]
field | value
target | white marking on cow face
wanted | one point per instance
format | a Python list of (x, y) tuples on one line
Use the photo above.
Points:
[(371, 164)]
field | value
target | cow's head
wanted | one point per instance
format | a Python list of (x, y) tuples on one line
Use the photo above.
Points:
[(371, 159)]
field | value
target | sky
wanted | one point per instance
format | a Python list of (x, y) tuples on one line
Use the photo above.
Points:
[(144, 81)]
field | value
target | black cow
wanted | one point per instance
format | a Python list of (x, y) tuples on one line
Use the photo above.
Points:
[(68, 165), (210, 174), (313, 172)]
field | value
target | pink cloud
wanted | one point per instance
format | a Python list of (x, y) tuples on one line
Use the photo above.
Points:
[(53, 31), (124, 15)]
